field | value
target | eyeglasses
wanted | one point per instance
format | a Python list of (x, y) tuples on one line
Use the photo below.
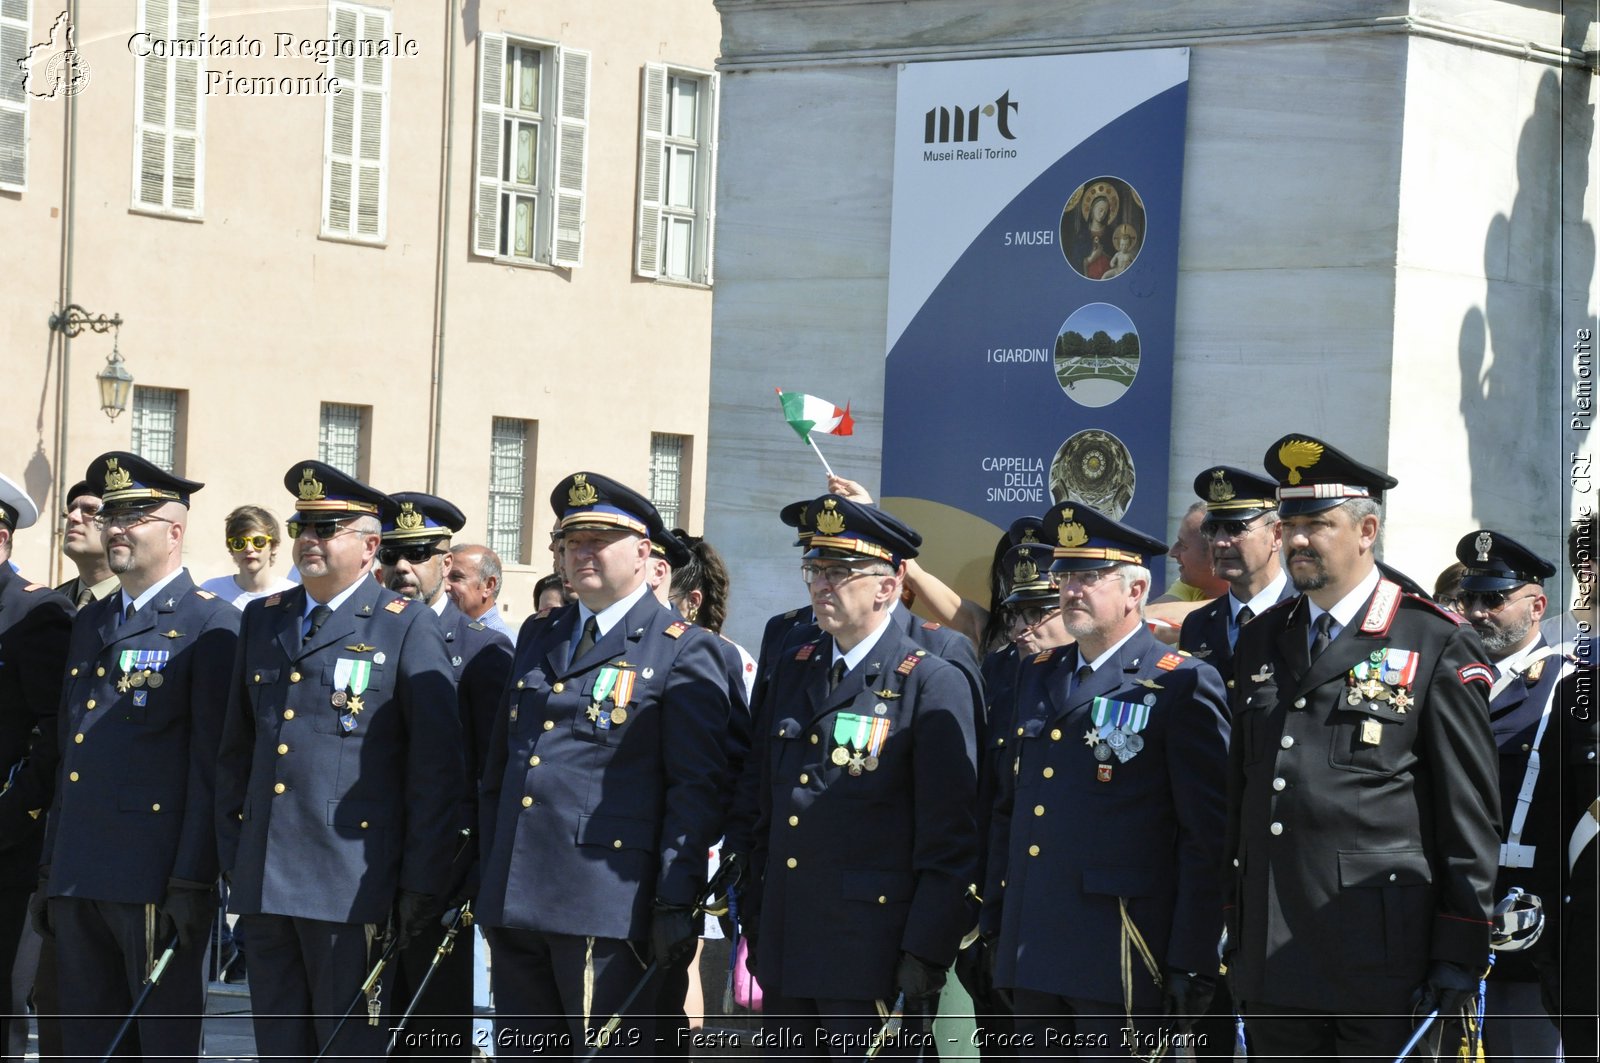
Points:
[(1446, 601), (88, 513), (1490, 601), (1032, 616), (1081, 580), (833, 575), (236, 543), (127, 519), (1231, 529), (321, 529), (415, 555)]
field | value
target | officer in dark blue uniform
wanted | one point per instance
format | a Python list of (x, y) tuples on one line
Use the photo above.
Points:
[(1502, 596), (341, 777), (866, 841), (1241, 530), (1362, 806), (1034, 625), (1103, 884), (603, 789), (34, 625), (130, 861), (415, 560)]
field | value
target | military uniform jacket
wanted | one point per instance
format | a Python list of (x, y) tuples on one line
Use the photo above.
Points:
[(1514, 720), (1205, 634), (140, 718), (1000, 672), (1363, 833), (480, 661), (321, 820), (604, 784), (1072, 833), (859, 859), (35, 623)]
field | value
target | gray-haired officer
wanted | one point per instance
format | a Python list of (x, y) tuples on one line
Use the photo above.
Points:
[(1241, 531), (602, 791), (416, 560), (865, 844), (35, 623), (130, 860), (1502, 597), (1103, 890), (1362, 825), (340, 779)]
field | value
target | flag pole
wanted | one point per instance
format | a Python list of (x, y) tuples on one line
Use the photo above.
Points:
[(820, 458)]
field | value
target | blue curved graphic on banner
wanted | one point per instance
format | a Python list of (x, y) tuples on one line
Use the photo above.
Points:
[(973, 411)]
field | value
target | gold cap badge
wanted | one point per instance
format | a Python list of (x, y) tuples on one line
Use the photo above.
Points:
[(1070, 532), (1221, 490), (1297, 454), (830, 521), (117, 479), (1025, 572), (1028, 536), (409, 519), (582, 492), (310, 486)]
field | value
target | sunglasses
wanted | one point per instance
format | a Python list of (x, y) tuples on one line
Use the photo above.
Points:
[(1232, 529), (321, 529), (414, 555), (237, 543), (1490, 601), (1032, 616)]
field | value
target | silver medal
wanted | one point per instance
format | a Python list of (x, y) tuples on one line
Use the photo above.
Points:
[(1135, 743), (1116, 740), (1149, 699), (1102, 752)]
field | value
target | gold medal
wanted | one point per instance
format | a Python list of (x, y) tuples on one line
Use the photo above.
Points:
[(155, 680), (619, 716), (1371, 689), (136, 680), (840, 756), (1353, 697), (339, 698), (355, 704), (124, 683), (593, 712)]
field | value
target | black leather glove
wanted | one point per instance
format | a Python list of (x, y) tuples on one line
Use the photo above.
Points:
[(39, 911), (969, 970), (673, 935), (917, 978), (415, 913), (1447, 988), (187, 910), (1186, 995)]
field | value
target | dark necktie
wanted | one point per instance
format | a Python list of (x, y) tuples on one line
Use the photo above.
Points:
[(1239, 622), (1323, 629), (127, 614), (586, 640), (319, 616), (836, 675), (1246, 614), (1081, 676), (85, 596)]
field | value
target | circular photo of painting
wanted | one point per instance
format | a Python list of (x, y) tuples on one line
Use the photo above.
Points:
[(1095, 468), (1103, 228), (1097, 355)]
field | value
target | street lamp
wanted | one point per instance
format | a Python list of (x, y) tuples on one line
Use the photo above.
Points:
[(116, 383)]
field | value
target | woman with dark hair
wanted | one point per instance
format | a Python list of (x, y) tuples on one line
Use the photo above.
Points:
[(252, 538), (700, 593)]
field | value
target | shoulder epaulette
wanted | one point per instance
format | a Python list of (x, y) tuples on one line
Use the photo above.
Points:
[(931, 625), (1044, 655), (207, 595), (398, 605), (1381, 613), (791, 614), (31, 587), (804, 652), (1169, 661), (1434, 607), (276, 599), (676, 629), (911, 661)]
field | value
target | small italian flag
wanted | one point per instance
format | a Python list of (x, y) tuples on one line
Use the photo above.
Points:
[(807, 414)]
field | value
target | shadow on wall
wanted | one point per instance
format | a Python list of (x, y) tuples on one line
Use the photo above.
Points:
[(1514, 395)]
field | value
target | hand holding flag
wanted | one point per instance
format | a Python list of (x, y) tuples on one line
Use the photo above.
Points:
[(807, 414)]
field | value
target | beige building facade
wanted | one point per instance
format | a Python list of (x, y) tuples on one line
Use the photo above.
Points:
[(463, 248)]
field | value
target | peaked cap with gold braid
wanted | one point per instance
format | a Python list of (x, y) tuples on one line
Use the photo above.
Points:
[(589, 500), (324, 493), (850, 531), (1084, 539), (1313, 476), (420, 517), (127, 480)]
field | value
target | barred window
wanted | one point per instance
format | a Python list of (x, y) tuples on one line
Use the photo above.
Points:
[(156, 426), (508, 486), (668, 454), (339, 442)]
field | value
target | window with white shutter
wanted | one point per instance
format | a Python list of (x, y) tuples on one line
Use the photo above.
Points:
[(16, 20), (169, 113), (531, 151), (355, 169), (677, 174)]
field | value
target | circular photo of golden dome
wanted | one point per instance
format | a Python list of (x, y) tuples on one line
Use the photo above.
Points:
[(1103, 228), (1094, 467)]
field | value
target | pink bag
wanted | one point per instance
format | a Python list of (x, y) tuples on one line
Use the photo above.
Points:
[(746, 990)]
